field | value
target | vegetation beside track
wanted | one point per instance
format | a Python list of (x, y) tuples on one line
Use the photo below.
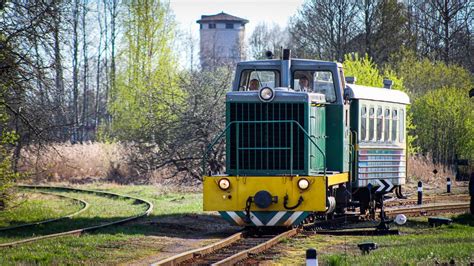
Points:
[(418, 244), (118, 244)]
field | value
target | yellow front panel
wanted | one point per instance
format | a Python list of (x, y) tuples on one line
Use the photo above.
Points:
[(241, 188), (338, 179)]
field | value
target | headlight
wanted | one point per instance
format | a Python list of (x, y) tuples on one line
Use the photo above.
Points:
[(266, 94), (303, 183), (224, 184)]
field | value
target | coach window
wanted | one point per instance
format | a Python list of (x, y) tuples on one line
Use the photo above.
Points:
[(379, 123), (363, 123), (402, 126), (387, 124), (371, 123), (266, 78), (394, 125), (323, 82)]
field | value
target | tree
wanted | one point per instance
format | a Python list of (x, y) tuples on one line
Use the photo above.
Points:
[(8, 71), (323, 29), (197, 124), (445, 124), (444, 29), (267, 38), (423, 76), (146, 88)]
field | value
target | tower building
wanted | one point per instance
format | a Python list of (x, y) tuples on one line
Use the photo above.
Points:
[(221, 39)]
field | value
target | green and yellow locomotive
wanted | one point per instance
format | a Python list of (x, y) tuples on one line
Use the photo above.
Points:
[(301, 141)]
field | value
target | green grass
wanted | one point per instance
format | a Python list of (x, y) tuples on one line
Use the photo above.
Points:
[(419, 244), (114, 245), (35, 207), (123, 244)]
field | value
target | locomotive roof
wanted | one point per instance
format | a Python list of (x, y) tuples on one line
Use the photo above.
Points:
[(378, 94), (294, 62)]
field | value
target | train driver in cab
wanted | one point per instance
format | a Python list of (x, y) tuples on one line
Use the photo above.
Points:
[(253, 85), (304, 84)]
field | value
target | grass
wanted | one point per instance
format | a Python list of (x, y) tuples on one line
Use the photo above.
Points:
[(419, 244), (177, 220), (115, 245), (34, 207)]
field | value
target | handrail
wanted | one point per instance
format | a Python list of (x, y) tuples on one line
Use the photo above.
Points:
[(211, 145)]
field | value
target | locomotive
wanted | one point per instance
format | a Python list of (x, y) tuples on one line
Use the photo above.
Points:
[(296, 152)]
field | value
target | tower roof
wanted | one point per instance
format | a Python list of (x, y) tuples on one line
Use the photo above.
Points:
[(221, 17)]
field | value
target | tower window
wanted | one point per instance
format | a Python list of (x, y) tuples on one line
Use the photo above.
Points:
[(229, 26), (212, 25)]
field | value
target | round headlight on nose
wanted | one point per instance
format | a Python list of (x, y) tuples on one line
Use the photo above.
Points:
[(266, 94), (224, 184), (303, 183)]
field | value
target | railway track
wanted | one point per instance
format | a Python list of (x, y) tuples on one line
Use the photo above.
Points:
[(84, 206), (432, 209), (84, 229), (240, 247), (427, 200), (229, 251)]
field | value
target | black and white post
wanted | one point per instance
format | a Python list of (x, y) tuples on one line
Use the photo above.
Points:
[(311, 257), (420, 192), (448, 185)]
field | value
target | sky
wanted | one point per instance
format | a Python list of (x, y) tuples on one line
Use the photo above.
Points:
[(187, 12), (278, 11)]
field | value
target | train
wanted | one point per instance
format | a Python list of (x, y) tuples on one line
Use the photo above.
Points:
[(306, 143)]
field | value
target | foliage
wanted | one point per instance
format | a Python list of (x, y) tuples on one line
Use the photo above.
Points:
[(147, 87), (445, 124), (423, 75)]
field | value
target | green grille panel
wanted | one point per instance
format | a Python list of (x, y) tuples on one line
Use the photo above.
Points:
[(256, 148)]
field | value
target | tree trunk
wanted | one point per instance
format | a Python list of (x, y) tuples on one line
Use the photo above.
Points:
[(84, 123), (75, 70)]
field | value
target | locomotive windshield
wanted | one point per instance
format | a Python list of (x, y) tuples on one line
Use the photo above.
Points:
[(319, 81), (256, 79)]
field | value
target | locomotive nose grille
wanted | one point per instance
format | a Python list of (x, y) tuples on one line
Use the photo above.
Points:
[(268, 146)]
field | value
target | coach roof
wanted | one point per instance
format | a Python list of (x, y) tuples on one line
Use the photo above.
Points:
[(378, 94)]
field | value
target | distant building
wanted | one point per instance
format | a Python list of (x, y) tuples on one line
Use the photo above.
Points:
[(222, 39)]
